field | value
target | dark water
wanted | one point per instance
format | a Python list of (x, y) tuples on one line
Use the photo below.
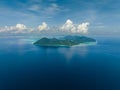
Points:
[(24, 66)]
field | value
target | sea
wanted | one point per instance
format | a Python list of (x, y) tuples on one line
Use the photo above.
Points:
[(24, 66)]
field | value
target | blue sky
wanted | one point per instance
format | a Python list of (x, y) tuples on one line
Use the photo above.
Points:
[(101, 14)]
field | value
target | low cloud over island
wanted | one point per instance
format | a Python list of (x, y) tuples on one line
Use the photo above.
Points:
[(67, 27)]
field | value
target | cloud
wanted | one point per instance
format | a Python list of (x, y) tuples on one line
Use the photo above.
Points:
[(83, 28), (69, 26), (52, 9), (42, 27), (34, 8), (19, 28), (99, 26)]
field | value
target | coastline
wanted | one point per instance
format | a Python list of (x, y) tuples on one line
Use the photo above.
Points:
[(86, 44), (81, 44)]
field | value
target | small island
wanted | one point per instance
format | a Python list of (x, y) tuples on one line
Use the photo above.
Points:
[(65, 41)]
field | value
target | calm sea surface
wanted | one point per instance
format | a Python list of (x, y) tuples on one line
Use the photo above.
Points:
[(24, 66)]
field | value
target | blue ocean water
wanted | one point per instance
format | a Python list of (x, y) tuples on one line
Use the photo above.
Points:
[(24, 66)]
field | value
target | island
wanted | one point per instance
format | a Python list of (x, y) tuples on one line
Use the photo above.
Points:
[(64, 41)]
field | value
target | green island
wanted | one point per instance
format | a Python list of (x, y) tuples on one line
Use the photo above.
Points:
[(65, 41)]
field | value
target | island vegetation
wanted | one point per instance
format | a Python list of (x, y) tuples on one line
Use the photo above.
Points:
[(65, 41)]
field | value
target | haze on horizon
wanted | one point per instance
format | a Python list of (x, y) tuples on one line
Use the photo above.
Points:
[(60, 16)]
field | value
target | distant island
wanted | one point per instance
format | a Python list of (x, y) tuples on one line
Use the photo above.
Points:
[(65, 41)]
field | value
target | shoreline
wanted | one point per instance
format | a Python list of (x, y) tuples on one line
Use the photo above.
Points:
[(85, 44), (81, 44)]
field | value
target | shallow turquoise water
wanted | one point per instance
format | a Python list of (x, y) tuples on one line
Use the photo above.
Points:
[(24, 66)]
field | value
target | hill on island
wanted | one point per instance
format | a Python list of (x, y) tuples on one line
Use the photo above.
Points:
[(65, 41)]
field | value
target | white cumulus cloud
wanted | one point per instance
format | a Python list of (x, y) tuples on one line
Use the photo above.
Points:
[(83, 28), (21, 26), (42, 27), (18, 28), (69, 26)]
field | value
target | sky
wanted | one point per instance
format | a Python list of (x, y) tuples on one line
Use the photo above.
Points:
[(60, 16)]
